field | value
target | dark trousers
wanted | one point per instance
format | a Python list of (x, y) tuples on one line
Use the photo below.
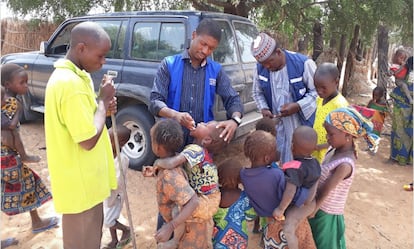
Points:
[(83, 230)]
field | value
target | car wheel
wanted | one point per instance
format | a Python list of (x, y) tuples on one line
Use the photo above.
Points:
[(138, 148)]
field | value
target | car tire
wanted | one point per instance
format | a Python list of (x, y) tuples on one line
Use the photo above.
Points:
[(138, 148)]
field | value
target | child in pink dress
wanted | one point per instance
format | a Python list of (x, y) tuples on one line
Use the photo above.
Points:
[(342, 125)]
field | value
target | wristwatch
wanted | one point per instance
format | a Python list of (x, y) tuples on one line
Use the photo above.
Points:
[(237, 120)]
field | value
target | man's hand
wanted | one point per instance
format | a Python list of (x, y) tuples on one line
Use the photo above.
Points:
[(230, 127), (289, 109), (185, 120), (267, 113)]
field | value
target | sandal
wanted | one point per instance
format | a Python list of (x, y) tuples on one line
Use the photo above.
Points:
[(408, 187), (52, 223), (9, 242)]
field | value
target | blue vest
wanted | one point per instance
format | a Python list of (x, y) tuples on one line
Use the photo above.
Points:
[(297, 88), (175, 65)]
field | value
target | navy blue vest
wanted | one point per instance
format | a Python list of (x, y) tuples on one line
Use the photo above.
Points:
[(297, 88), (176, 67)]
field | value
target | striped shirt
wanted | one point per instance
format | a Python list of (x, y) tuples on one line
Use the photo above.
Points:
[(335, 201), (192, 96), (281, 96)]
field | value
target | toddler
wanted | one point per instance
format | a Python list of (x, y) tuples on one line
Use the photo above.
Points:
[(399, 71), (14, 82), (200, 168), (379, 104), (326, 80), (113, 204), (176, 199), (230, 230), (269, 125), (302, 171), (265, 185)]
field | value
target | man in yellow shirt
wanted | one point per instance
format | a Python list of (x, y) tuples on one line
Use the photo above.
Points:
[(79, 153)]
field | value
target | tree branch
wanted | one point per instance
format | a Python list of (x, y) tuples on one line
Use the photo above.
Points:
[(203, 6)]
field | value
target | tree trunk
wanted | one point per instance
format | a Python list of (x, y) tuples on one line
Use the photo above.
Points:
[(367, 57), (374, 59), (359, 50), (303, 45), (382, 56), (350, 62), (317, 40), (333, 43), (341, 54)]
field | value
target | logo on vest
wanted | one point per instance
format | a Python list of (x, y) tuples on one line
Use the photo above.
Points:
[(212, 82), (261, 77)]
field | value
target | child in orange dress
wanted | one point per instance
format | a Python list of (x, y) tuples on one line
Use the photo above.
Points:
[(201, 170), (176, 199), (379, 104)]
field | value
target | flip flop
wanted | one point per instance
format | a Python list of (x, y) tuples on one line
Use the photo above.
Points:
[(52, 223), (9, 242), (123, 243)]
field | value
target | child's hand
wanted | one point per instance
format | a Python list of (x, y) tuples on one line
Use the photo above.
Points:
[(148, 171), (312, 215), (278, 214), (164, 233)]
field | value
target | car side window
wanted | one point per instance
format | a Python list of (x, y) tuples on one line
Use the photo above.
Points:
[(225, 53), (116, 30), (156, 40), (245, 34), (60, 45)]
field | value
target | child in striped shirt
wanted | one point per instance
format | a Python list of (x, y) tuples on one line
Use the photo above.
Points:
[(342, 125)]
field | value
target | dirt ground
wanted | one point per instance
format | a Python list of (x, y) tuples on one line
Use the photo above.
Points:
[(378, 214)]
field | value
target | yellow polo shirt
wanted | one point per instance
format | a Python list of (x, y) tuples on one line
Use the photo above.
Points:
[(321, 112), (80, 179)]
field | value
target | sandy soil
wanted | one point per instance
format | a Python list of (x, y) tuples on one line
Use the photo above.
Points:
[(379, 213)]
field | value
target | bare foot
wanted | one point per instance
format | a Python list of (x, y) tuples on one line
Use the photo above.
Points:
[(31, 159), (111, 245), (45, 224)]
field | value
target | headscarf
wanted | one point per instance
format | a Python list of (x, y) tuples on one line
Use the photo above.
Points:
[(350, 121)]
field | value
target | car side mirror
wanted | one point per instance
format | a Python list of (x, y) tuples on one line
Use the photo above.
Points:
[(43, 47)]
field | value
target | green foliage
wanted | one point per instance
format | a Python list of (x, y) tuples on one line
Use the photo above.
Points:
[(58, 10), (294, 19)]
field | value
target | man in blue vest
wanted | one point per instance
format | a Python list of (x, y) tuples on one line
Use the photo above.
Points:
[(186, 84), (283, 88)]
